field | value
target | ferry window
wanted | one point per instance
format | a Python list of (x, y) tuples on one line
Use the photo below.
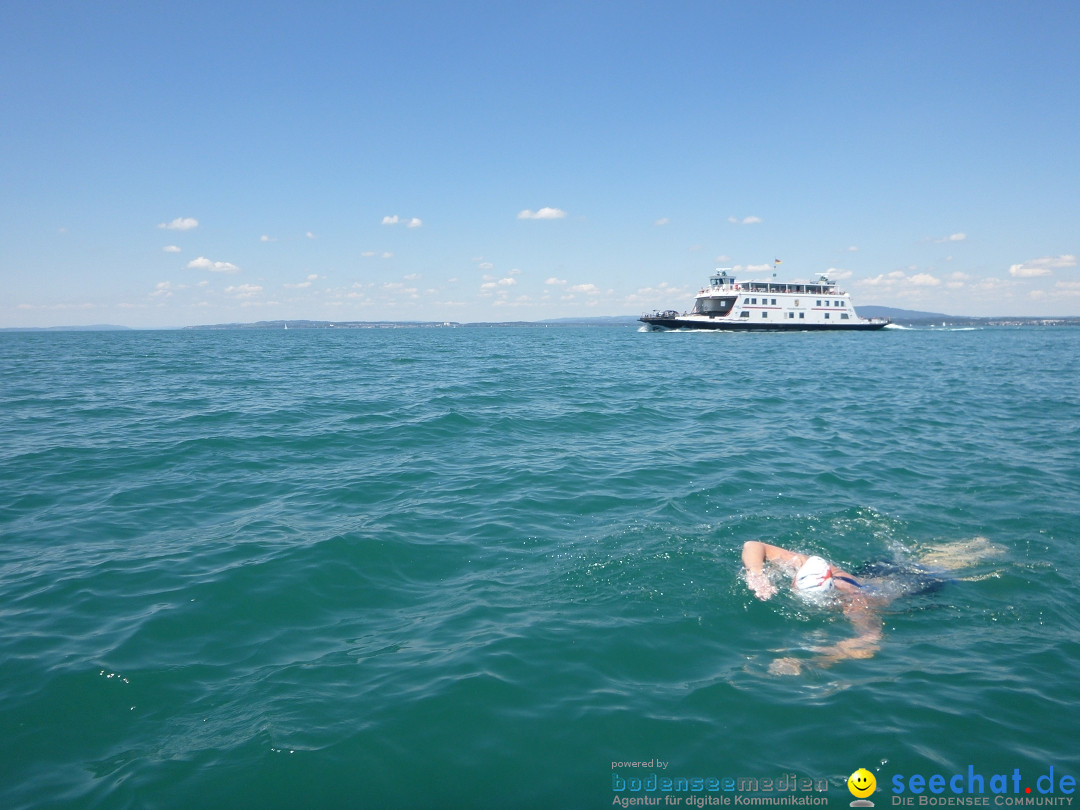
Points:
[(843, 316), (791, 314), (819, 303), (753, 300), (826, 316), (774, 302), (744, 314), (764, 313), (802, 314)]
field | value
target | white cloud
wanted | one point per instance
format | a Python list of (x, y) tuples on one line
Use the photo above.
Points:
[(653, 295), (836, 274), (958, 280), (243, 290), (662, 221), (1025, 271), (559, 282), (590, 289), (993, 285), (203, 263), (956, 237), (486, 266), (543, 213), (854, 248), (745, 220), (499, 285), (408, 222), (398, 287), (924, 280), (171, 249), (1042, 267), (180, 224), (310, 235), (1067, 287), (885, 280), (165, 289), (265, 238)]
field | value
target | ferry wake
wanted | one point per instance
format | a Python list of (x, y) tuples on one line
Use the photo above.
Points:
[(766, 306)]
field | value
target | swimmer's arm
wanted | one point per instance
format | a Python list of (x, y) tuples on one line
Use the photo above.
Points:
[(863, 645), (754, 556), (866, 643)]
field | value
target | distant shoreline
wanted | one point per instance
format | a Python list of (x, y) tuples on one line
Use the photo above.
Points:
[(898, 316)]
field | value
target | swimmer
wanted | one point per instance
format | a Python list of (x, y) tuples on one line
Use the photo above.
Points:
[(815, 578), (865, 593)]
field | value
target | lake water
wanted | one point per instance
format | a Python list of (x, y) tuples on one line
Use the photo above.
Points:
[(497, 567)]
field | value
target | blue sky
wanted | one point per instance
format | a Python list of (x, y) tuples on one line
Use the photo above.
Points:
[(166, 164)]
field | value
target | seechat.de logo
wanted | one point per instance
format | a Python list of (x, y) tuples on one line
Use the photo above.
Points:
[(861, 784)]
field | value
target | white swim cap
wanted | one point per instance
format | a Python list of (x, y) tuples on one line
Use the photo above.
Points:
[(814, 577)]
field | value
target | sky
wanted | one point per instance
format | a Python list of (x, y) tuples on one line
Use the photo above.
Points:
[(173, 164)]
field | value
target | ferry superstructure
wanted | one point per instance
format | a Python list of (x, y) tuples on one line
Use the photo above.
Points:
[(766, 306)]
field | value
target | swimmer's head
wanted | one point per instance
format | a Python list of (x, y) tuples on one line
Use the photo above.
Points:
[(814, 577)]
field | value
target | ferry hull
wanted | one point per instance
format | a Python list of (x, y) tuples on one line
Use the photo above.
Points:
[(726, 325)]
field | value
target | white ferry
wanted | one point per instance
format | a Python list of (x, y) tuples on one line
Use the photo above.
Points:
[(766, 306)]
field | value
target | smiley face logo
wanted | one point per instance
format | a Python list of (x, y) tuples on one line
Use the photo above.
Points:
[(861, 783)]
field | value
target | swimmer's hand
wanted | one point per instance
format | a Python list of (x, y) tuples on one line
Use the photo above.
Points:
[(785, 666), (853, 648), (760, 585)]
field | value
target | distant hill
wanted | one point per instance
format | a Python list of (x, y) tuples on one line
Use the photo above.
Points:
[(605, 320), (101, 327), (291, 324), (613, 320), (915, 318), (905, 315)]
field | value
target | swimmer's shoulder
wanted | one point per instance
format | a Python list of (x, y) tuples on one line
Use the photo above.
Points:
[(846, 582)]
